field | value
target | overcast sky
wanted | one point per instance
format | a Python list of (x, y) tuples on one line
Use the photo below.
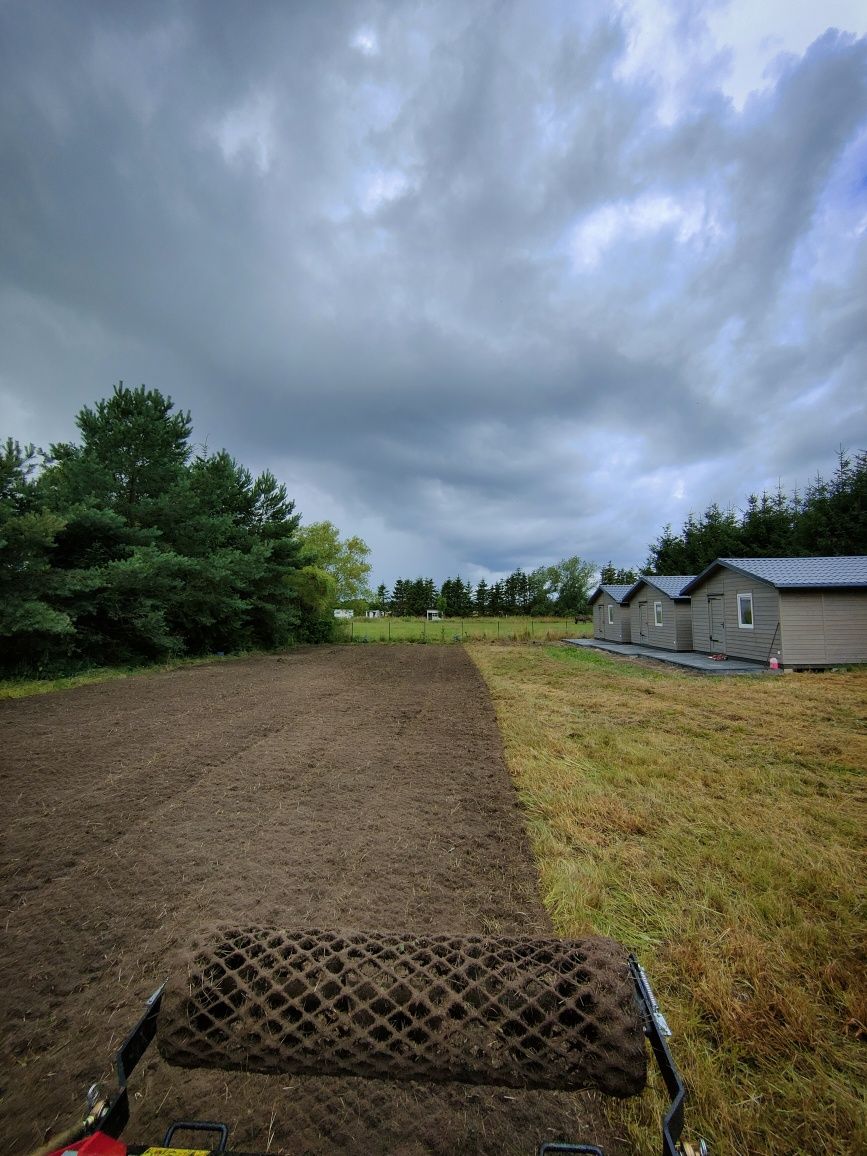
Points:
[(487, 283)]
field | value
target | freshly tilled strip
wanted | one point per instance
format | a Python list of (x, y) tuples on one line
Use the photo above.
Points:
[(523, 1013)]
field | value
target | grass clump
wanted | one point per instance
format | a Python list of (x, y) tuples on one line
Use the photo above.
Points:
[(715, 826)]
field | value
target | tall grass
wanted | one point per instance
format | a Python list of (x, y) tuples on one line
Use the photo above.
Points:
[(715, 826), (517, 629)]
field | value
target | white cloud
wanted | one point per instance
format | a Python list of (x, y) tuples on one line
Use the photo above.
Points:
[(645, 216), (756, 33), (246, 132), (366, 42), (382, 186)]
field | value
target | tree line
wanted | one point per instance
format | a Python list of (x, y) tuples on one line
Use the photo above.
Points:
[(131, 545), (828, 518), (128, 546), (559, 589)]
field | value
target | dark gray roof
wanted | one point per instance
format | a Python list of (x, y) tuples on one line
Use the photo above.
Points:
[(616, 591), (846, 570), (670, 584)]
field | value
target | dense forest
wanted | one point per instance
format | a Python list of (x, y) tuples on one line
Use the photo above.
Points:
[(129, 547), (829, 518)]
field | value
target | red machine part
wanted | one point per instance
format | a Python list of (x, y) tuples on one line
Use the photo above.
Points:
[(96, 1145)]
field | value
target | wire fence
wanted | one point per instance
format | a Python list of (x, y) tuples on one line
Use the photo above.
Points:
[(517, 629)]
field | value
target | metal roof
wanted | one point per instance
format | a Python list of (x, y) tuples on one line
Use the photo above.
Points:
[(670, 584), (845, 570), (618, 592)]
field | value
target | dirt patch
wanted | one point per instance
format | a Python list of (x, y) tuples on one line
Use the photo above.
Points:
[(332, 787)]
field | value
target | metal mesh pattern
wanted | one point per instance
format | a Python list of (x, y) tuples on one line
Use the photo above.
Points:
[(520, 1013)]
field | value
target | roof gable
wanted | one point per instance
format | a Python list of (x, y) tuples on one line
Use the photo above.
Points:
[(617, 591), (669, 584)]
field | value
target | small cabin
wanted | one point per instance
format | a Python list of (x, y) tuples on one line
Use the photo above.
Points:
[(659, 613), (794, 612), (611, 613), (434, 616)]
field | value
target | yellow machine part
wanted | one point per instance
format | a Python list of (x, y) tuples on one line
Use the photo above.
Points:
[(177, 1152)]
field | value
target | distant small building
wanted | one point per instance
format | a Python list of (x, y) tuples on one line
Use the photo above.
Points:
[(659, 611), (611, 613), (799, 611), (373, 614), (434, 616), (343, 614)]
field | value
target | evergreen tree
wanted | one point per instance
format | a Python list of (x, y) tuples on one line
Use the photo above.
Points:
[(124, 549), (31, 624), (481, 601), (400, 598), (612, 575), (496, 599)]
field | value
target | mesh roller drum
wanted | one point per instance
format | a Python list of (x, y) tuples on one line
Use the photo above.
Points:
[(521, 1013)]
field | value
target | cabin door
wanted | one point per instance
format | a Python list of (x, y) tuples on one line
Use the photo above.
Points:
[(715, 606), (642, 620)]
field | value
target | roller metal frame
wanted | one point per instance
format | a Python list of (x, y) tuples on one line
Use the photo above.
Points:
[(98, 1134)]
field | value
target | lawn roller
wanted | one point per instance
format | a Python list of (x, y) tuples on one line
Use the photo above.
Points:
[(521, 1013)]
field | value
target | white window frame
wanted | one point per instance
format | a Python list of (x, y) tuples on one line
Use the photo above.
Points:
[(610, 613), (751, 625), (657, 614)]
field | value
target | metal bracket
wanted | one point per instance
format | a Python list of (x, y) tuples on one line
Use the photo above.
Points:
[(657, 1031), (648, 999), (130, 1052)]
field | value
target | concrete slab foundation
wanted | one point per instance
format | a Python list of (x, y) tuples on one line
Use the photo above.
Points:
[(688, 659)]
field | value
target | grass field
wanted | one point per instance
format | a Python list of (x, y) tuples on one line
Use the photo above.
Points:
[(716, 827), (461, 630)]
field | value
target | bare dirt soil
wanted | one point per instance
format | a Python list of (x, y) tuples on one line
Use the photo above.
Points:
[(332, 787)]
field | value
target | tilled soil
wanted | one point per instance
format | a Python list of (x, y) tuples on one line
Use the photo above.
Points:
[(332, 787)]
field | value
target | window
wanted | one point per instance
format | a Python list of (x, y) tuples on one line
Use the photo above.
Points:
[(745, 611), (610, 614), (657, 613)]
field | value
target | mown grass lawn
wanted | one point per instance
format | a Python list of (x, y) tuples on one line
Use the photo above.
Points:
[(716, 826)]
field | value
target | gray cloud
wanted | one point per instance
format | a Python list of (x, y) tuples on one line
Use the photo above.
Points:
[(446, 268)]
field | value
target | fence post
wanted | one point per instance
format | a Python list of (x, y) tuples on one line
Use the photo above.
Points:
[(389, 630), (351, 629)]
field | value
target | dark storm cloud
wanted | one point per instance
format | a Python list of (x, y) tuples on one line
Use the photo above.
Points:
[(443, 267)]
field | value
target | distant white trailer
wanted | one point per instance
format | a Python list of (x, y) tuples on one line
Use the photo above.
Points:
[(343, 614), (434, 616), (373, 614)]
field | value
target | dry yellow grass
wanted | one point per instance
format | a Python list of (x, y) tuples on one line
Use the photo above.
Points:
[(714, 825)]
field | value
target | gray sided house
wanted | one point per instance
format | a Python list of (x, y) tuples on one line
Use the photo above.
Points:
[(659, 611), (799, 611), (610, 613)]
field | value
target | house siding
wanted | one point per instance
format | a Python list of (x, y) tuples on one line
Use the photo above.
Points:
[(824, 626), (617, 631), (759, 643), (676, 630)]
